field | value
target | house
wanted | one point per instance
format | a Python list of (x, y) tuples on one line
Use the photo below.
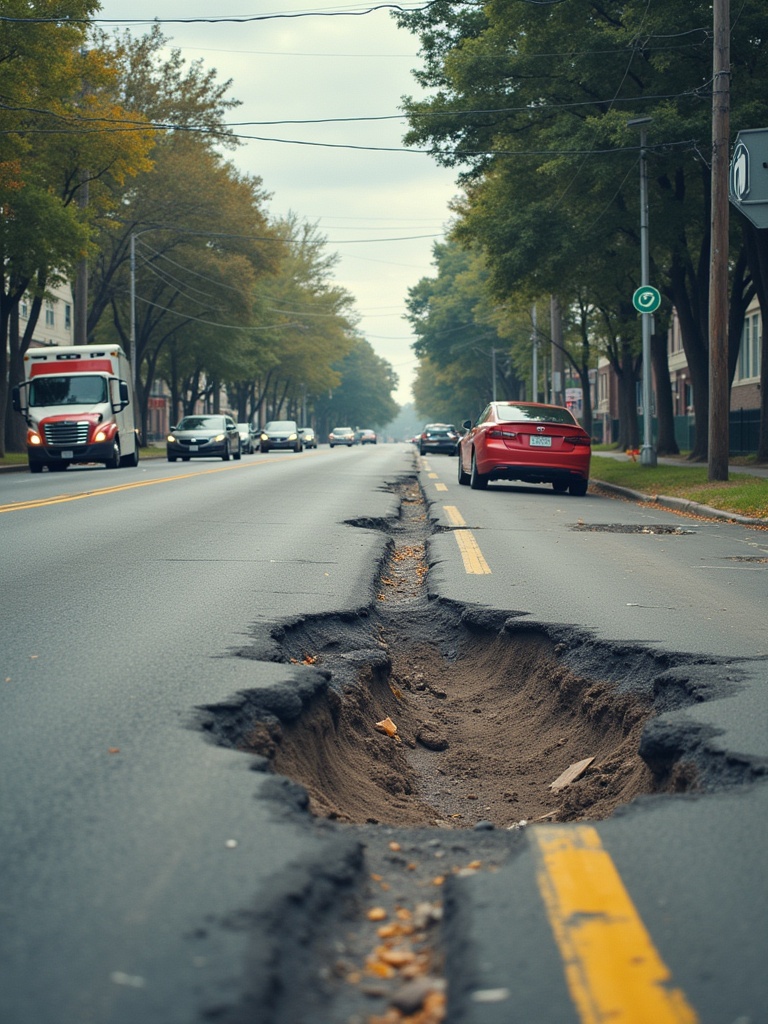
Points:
[(56, 323), (745, 392)]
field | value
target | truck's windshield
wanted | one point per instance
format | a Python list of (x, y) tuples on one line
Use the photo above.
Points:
[(82, 389)]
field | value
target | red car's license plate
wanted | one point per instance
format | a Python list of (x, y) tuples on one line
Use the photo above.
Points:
[(540, 442)]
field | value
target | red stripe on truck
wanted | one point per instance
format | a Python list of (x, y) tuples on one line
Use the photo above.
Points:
[(72, 366)]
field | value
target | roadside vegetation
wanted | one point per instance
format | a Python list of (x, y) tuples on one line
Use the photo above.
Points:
[(214, 297), (742, 494), (536, 106)]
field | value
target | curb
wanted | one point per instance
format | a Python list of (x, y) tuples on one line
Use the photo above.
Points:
[(679, 504)]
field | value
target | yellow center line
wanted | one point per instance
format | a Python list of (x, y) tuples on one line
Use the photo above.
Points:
[(432, 476), (612, 968), (60, 499), (471, 555), (454, 516), (441, 487)]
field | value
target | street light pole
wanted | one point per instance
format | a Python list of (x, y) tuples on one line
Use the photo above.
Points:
[(535, 358), (647, 452), (133, 312)]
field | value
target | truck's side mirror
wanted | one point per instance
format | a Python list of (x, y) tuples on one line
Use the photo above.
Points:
[(467, 424), (124, 396), (16, 400)]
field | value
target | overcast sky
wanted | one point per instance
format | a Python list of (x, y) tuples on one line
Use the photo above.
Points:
[(380, 211)]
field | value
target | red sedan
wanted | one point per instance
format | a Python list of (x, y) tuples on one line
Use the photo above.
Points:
[(526, 441)]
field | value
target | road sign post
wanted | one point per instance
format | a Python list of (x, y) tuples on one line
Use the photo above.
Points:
[(645, 294)]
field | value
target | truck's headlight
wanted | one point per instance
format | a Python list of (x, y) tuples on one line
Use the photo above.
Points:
[(100, 436)]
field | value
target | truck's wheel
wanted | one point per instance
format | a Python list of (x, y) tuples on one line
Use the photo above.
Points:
[(131, 460), (114, 461)]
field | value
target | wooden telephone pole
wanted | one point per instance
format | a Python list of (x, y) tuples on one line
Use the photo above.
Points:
[(719, 391)]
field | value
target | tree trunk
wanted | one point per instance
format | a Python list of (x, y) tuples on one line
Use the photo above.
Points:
[(15, 427), (666, 443), (696, 354), (629, 429)]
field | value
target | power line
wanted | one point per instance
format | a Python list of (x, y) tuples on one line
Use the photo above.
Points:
[(230, 19)]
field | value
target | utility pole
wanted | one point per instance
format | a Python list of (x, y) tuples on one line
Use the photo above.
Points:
[(535, 367), (647, 452), (719, 396), (132, 353), (558, 362), (81, 276)]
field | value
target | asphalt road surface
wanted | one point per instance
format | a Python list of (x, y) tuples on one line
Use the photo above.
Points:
[(149, 874)]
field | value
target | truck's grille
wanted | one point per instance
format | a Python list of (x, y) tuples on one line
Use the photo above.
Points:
[(67, 432)]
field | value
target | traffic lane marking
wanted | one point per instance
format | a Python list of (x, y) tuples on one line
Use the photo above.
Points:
[(62, 498), (471, 555), (612, 968), (454, 516)]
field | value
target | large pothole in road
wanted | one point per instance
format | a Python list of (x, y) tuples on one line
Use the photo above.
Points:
[(436, 715)]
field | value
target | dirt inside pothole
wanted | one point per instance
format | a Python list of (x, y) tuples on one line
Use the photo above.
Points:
[(485, 723), (479, 739)]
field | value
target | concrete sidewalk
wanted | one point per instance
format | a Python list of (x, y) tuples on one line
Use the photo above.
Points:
[(683, 462)]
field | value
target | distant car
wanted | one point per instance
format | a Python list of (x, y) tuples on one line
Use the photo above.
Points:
[(526, 441), (249, 438), (203, 437), (342, 435), (366, 437), (438, 437), (308, 437), (281, 434)]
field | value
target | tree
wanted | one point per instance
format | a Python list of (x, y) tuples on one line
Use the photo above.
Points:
[(198, 228), (311, 322), (534, 102), (363, 397), (58, 96), (463, 335)]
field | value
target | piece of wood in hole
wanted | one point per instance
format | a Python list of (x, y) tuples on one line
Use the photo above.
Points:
[(575, 771)]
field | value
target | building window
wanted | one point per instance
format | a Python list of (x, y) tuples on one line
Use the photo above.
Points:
[(748, 367), (48, 313), (67, 316), (24, 310)]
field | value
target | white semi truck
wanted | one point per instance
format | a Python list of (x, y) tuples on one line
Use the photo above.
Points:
[(77, 403)]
